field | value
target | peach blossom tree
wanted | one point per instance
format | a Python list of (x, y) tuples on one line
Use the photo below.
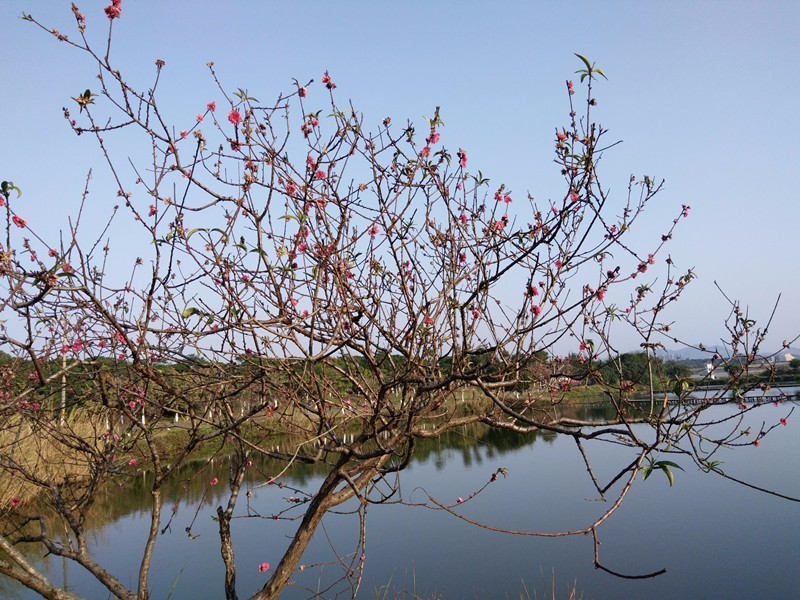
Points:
[(294, 272)]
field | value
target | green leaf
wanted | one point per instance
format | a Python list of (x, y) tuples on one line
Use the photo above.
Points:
[(600, 72), (189, 311), (7, 187), (669, 475), (669, 463), (585, 61), (681, 387)]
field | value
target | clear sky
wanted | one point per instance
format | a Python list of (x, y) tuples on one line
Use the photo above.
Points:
[(703, 94)]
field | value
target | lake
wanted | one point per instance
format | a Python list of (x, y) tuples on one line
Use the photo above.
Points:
[(716, 539)]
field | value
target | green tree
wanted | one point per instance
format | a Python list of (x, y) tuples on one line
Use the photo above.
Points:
[(635, 367)]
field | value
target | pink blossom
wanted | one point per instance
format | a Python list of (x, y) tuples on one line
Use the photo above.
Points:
[(114, 10), (2, 201), (302, 92), (374, 231), (462, 158), (320, 174), (425, 152), (558, 264), (433, 138), (132, 462), (212, 106), (245, 278), (757, 443), (326, 79), (15, 502), (19, 221), (428, 320), (462, 257), (263, 567), (184, 134), (199, 118), (459, 500), (234, 117), (574, 197), (463, 218), (536, 310), (561, 136), (784, 422), (293, 302), (507, 199), (291, 189), (601, 294), (569, 88), (476, 313), (214, 481), (152, 211)]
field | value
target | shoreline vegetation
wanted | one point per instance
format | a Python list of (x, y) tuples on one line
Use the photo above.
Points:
[(170, 435)]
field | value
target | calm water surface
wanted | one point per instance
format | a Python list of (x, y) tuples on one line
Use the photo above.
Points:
[(715, 538)]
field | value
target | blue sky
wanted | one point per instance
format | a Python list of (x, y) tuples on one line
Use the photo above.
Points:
[(702, 94)]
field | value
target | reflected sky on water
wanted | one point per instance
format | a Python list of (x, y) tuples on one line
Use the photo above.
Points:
[(715, 538)]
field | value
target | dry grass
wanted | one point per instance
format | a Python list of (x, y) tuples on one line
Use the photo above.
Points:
[(36, 452)]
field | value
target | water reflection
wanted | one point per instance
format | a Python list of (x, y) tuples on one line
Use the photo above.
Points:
[(678, 527)]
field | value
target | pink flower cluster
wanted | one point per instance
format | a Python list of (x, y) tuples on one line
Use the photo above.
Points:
[(462, 158), (326, 79), (114, 10), (309, 125)]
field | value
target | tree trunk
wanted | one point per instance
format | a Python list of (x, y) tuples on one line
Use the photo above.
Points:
[(316, 510)]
